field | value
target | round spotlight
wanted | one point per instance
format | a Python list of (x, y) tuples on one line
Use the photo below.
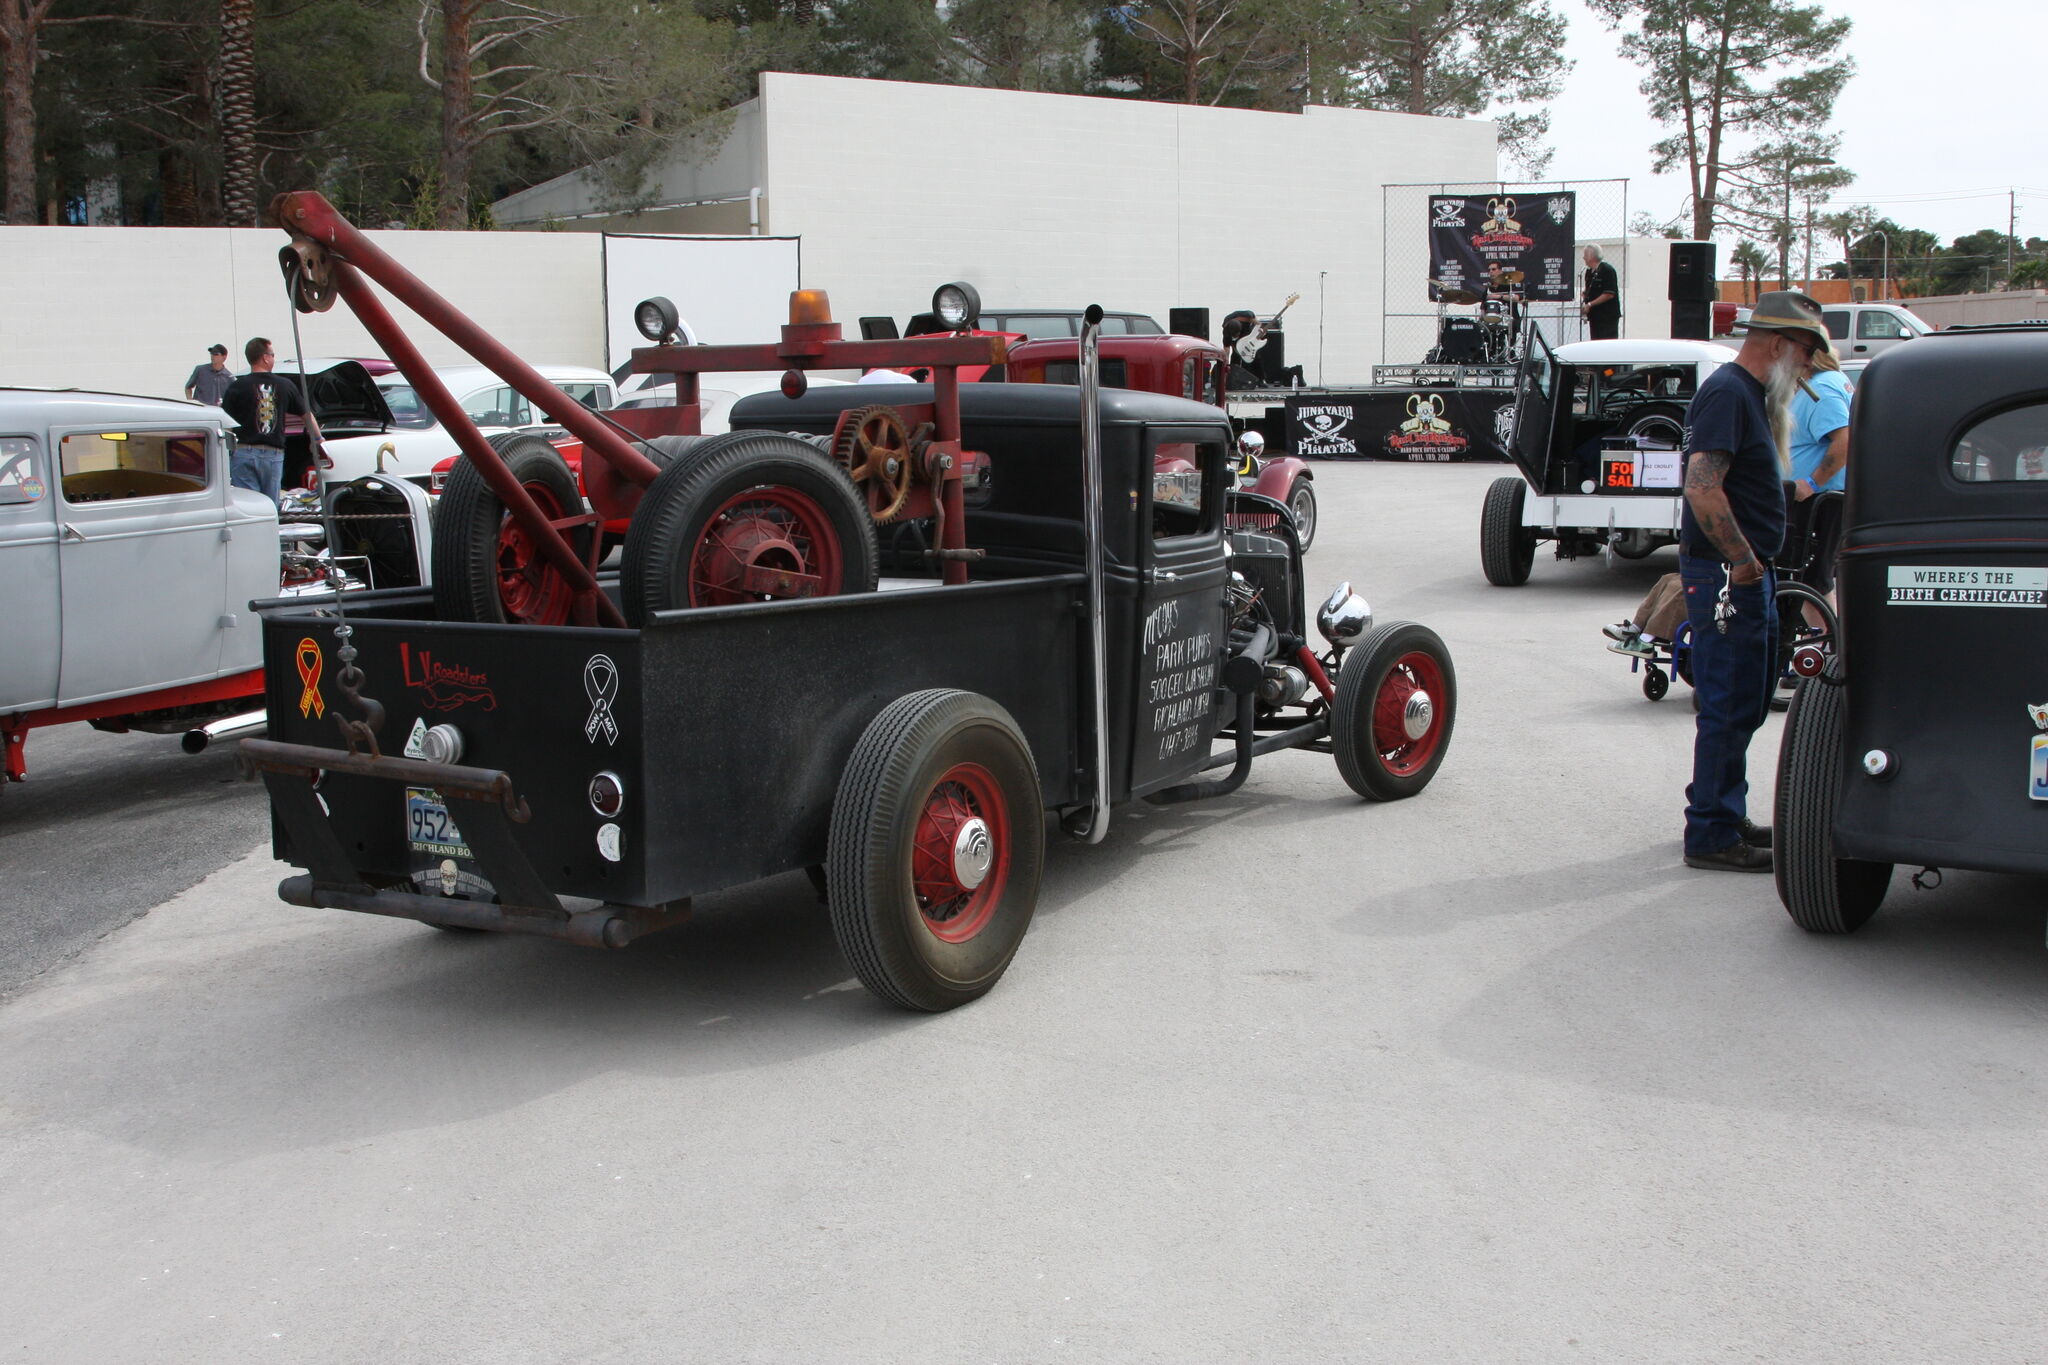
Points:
[(956, 306), (657, 319)]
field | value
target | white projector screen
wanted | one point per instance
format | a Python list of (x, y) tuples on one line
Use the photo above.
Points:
[(729, 289)]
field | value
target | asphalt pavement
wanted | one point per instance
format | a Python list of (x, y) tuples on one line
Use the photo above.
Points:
[(1484, 1075)]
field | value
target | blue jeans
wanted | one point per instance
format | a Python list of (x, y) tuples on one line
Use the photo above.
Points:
[(257, 467), (1732, 676)]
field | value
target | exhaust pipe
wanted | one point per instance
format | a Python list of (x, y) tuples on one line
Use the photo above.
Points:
[(227, 727)]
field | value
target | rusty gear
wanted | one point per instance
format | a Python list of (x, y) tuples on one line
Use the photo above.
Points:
[(875, 448)]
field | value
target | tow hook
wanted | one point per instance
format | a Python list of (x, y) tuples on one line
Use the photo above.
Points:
[(1926, 879)]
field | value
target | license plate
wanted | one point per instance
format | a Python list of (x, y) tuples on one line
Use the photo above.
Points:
[(428, 828), (442, 864), (2037, 771)]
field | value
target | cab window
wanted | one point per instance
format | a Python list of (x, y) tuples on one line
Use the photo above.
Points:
[(500, 407), (406, 408), (108, 466), (2011, 447), (19, 481), (591, 396), (1039, 328), (1836, 320), (1875, 326), (1183, 472)]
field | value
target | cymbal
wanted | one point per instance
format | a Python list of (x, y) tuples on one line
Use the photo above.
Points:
[(1455, 295), (1512, 276)]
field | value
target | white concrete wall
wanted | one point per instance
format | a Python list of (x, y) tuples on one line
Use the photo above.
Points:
[(1061, 201), (134, 309)]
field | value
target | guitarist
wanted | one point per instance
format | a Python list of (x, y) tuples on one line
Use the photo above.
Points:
[(1244, 336)]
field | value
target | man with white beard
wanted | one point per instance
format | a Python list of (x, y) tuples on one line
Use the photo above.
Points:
[(1734, 522)]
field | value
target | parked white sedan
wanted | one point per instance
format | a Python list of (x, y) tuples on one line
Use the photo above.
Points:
[(417, 442)]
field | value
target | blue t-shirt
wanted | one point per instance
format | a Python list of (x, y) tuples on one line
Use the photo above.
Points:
[(1814, 420), (1728, 414)]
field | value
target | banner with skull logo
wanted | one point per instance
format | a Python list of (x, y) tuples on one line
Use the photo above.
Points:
[(1530, 233)]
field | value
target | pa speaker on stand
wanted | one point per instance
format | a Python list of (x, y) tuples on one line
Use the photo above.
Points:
[(1188, 322), (1692, 289)]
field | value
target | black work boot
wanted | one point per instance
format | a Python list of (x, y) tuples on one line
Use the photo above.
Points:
[(1740, 856), (1756, 836)]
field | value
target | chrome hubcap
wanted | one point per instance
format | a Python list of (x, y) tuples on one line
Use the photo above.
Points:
[(1417, 714), (974, 852)]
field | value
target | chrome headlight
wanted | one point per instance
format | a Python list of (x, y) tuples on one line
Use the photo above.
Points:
[(1345, 617), (957, 306)]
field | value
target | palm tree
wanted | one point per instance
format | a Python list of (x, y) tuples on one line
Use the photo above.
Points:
[(238, 112), (1752, 261), (1846, 227)]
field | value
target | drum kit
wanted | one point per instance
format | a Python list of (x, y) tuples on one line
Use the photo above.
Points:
[(1492, 336)]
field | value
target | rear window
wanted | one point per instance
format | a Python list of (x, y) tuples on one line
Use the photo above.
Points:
[(1836, 320), (1114, 374), (19, 481), (406, 408), (1037, 328), (2011, 447), (107, 466)]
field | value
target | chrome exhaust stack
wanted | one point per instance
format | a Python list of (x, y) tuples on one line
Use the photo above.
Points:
[(1097, 822), (227, 727)]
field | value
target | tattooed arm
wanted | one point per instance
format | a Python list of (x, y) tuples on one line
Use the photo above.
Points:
[(1704, 473)]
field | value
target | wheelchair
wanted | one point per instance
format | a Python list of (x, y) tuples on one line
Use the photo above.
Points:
[(1807, 626)]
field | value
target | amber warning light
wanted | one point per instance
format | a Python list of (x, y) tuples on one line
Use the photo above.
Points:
[(809, 306)]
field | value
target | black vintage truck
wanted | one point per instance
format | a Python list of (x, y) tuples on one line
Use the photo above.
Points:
[(1924, 742), (1046, 625)]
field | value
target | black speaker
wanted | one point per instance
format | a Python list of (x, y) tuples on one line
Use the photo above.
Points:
[(1692, 273), (1273, 357), (1188, 322), (1692, 320)]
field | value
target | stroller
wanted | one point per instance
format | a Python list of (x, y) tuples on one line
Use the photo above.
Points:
[(1807, 629)]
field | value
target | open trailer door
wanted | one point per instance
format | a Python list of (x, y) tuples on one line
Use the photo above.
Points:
[(1537, 387)]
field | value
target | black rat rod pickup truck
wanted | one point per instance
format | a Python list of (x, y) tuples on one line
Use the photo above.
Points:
[(1925, 740), (904, 738)]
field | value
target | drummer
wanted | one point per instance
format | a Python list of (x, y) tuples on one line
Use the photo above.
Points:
[(1504, 286)]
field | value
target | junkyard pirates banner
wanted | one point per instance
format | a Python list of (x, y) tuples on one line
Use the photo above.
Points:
[(1532, 233), (1422, 426)]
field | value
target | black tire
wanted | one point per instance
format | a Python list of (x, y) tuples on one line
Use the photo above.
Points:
[(1507, 549), (1301, 500), (1823, 894), (1401, 655), (1655, 683), (677, 518), (926, 759), (1794, 632), (1663, 421), (480, 573)]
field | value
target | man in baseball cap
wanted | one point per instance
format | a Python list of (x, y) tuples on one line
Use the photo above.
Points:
[(209, 382), (1733, 523)]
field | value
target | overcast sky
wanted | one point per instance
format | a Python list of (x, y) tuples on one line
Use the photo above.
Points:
[(1946, 100)]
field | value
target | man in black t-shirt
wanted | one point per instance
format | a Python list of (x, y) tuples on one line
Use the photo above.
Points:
[(1601, 301), (259, 402), (1733, 523)]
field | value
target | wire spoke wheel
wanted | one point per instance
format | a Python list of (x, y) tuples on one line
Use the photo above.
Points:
[(1397, 697), (766, 543), (936, 845)]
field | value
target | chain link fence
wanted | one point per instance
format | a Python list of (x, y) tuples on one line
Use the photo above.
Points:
[(1408, 320)]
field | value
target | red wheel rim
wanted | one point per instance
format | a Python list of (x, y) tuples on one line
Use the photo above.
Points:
[(1414, 683), (532, 590), (964, 801), (764, 543)]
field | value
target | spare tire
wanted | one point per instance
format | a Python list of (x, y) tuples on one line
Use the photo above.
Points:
[(486, 567), (747, 517)]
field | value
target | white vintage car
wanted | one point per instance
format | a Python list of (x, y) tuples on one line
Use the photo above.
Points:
[(127, 563), (1599, 431), (415, 442)]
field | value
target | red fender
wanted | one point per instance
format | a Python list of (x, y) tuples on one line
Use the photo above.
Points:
[(1279, 475)]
